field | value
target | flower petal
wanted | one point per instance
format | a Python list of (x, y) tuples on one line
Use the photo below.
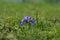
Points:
[(32, 22), (25, 18), (21, 23)]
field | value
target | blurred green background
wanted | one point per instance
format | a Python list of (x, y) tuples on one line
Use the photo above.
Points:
[(12, 12)]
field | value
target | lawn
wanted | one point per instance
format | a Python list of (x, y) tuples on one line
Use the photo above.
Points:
[(47, 28)]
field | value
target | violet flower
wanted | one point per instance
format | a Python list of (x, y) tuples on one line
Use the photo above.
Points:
[(27, 19)]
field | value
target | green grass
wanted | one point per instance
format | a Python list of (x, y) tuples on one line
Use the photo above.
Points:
[(48, 27)]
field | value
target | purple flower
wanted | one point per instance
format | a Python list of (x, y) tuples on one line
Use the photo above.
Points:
[(21, 22), (27, 19), (32, 21)]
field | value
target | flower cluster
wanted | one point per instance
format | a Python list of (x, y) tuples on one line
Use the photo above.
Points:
[(27, 19)]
